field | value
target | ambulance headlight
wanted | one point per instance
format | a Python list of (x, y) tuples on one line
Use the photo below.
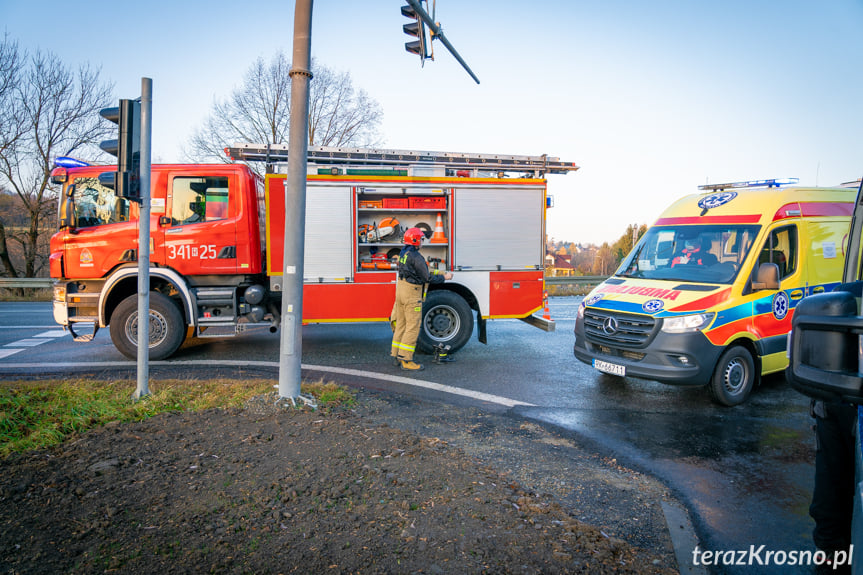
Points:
[(686, 323)]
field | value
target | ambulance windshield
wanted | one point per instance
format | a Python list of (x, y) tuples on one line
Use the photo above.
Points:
[(705, 253)]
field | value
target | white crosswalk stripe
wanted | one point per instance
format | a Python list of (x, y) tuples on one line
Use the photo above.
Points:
[(22, 344)]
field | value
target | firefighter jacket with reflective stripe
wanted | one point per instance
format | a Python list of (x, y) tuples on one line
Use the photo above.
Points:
[(414, 269)]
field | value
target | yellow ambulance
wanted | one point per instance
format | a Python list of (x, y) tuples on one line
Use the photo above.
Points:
[(707, 295)]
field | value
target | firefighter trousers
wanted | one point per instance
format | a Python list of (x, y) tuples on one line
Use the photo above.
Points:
[(407, 315)]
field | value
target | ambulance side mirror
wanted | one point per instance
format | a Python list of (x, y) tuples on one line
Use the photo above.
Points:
[(768, 277)]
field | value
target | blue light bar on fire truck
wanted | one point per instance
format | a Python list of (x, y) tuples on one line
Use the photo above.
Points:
[(774, 183), (67, 162)]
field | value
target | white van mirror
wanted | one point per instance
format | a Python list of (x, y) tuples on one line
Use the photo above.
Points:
[(768, 277)]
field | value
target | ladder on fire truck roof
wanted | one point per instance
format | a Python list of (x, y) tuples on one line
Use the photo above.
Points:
[(272, 153)]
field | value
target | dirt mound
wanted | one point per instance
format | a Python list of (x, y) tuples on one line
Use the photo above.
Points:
[(269, 490)]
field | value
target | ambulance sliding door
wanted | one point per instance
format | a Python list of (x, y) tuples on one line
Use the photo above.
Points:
[(499, 228), (329, 234)]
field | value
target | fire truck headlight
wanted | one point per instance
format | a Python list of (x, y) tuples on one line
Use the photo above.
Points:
[(686, 323), (59, 293)]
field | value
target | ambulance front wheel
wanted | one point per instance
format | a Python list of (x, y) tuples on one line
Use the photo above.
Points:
[(167, 328), (447, 319), (734, 376)]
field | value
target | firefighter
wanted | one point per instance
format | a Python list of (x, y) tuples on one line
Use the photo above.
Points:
[(414, 277)]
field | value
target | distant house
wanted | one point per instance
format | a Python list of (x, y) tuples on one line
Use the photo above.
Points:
[(558, 264)]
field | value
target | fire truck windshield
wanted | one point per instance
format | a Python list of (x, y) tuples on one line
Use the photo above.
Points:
[(704, 253), (96, 205)]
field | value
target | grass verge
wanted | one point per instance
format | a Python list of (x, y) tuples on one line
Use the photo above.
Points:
[(39, 414)]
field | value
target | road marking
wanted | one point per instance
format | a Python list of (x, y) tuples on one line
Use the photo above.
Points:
[(424, 384), (21, 344), (26, 343), (52, 333), (478, 395)]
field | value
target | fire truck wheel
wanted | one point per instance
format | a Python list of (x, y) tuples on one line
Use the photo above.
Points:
[(167, 329), (447, 319), (734, 376)]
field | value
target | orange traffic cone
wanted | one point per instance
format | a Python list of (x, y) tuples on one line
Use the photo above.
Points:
[(438, 237)]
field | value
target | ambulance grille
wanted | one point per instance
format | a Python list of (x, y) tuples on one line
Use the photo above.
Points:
[(615, 328)]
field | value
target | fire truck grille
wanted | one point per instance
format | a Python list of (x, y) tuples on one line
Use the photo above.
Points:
[(606, 327)]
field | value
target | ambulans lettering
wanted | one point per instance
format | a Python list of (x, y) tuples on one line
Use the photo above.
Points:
[(186, 252), (671, 294)]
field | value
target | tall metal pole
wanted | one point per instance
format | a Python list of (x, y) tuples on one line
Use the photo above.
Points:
[(291, 347), (143, 388)]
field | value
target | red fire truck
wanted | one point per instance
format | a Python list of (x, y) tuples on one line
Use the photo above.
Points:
[(217, 238)]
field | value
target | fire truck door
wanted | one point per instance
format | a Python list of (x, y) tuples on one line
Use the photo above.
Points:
[(201, 236), (104, 233)]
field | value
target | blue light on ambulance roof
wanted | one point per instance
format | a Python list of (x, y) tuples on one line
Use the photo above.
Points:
[(774, 183), (67, 162)]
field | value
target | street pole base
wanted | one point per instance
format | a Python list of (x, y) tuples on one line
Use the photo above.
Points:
[(299, 401)]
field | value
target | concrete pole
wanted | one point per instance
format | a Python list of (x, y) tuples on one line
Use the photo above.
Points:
[(146, 133), (291, 347)]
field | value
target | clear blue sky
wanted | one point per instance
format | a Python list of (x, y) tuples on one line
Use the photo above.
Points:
[(650, 98)]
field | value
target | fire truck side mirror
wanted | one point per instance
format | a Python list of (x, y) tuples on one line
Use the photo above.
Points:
[(67, 209)]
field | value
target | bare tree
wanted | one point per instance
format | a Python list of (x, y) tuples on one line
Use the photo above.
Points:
[(605, 261), (340, 115), (46, 110), (259, 112)]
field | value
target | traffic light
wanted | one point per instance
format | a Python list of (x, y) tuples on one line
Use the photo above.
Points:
[(127, 147), (417, 28)]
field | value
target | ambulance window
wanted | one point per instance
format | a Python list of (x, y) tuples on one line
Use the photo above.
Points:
[(781, 249), (96, 205), (197, 200)]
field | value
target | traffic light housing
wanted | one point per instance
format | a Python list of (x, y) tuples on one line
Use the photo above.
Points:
[(127, 147), (417, 28)]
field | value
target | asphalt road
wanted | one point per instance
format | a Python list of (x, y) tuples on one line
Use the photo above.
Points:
[(745, 473)]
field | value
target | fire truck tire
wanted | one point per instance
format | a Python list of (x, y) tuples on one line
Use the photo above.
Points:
[(447, 319), (167, 328), (734, 376)]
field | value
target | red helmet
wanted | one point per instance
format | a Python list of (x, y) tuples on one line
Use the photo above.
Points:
[(414, 236)]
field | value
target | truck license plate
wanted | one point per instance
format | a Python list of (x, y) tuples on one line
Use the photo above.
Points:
[(611, 368)]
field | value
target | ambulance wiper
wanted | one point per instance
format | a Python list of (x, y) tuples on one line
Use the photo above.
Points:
[(636, 274)]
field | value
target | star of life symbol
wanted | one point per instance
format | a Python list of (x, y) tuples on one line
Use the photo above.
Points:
[(716, 200), (780, 305), (593, 299), (653, 305)]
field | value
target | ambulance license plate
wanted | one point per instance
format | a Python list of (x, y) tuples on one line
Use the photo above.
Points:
[(611, 368)]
